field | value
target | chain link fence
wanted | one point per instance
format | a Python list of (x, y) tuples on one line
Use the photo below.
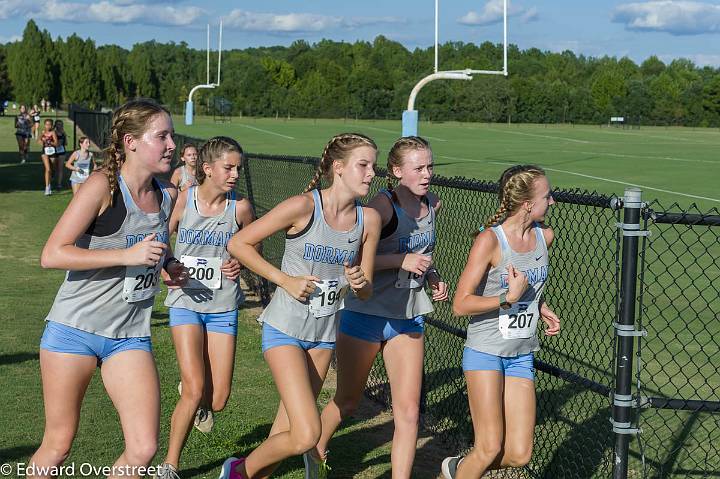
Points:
[(676, 398)]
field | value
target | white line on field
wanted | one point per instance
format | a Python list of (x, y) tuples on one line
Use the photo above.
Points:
[(641, 135), (395, 132), (540, 136), (615, 181), (266, 131), (669, 158)]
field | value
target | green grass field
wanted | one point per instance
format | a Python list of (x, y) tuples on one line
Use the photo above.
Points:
[(670, 164), (678, 164)]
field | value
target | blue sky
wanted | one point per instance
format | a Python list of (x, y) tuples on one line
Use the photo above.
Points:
[(638, 29)]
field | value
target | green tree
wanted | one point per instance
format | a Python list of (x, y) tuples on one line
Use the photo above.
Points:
[(78, 72), (5, 86), (31, 66)]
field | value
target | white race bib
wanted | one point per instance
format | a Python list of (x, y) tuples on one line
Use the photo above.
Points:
[(327, 297), (407, 279), (49, 150), (519, 321), (83, 173), (141, 282), (203, 273)]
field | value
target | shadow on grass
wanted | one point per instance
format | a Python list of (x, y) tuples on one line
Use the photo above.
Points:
[(17, 452), (18, 358)]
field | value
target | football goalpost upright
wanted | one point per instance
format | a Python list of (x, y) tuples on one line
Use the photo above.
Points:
[(189, 103), (410, 116)]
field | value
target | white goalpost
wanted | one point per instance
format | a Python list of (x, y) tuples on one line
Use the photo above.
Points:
[(189, 103), (410, 116)]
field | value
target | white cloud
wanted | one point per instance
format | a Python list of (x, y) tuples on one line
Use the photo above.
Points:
[(492, 12), (297, 22), (677, 17), (12, 38), (13, 8), (116, 12), (290, 22)]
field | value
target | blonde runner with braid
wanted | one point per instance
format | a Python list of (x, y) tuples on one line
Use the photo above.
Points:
[(113, 242), (501, 290), (330, 243)]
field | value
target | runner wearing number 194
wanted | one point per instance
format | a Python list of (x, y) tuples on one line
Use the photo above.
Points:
[(330, 242), (203, 313), (501, 289)]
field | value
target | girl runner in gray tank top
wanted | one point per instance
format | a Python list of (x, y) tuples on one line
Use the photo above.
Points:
[(329, 252), (184, 175), (81, 163), (204, 311), (501, 289), (393, 320), (112, 239)]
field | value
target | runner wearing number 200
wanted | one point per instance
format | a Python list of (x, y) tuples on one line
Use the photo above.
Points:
[(501, 289), (203, 313), (330, 242), (112, 240)]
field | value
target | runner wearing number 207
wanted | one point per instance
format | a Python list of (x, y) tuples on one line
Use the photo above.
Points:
[(203, 313), (501, 289)]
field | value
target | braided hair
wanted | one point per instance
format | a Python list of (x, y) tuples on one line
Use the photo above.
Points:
[(212, 150), (131, 118), (516, 187), (338, 148), (398, 151)]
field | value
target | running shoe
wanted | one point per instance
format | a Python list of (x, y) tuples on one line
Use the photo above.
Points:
[(166, 471), (48, 191), (314, 468), (449, 466), (204, 420), (230, 468)]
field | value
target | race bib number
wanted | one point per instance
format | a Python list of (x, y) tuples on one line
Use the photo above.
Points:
[(203, 273), (407, 279), (49, 150), (36, 118), (519, 321), (83, 173), (141, 282), (60, 149), (327, 297)]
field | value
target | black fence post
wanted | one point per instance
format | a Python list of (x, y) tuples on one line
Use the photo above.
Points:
[(625, 333)]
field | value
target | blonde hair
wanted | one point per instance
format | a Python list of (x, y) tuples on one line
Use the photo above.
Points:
[(398, 151), (338, 148), (130, 118), (212, 150), (516, 186)]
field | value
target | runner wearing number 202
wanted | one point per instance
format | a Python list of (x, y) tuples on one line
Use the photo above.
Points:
[(112, 240), (203, 313), (501, 289)]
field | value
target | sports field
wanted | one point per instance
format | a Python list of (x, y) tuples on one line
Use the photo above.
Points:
[(671, 164), (678, 164)]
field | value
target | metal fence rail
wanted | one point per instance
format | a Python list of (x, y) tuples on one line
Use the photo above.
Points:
[(663, 419)]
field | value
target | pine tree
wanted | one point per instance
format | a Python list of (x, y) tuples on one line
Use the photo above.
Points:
[(30, 65)]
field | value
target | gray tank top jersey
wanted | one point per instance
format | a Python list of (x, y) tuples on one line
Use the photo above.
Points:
[(319, 251), (186, 180), (84, 164), (411, 236), (483, 333), (206, 237), (92, 300)]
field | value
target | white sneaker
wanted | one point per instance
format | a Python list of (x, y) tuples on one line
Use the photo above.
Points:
[(166, 471), (48, 191), (449, 466), (204, 420)]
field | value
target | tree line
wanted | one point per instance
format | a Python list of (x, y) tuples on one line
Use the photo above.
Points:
[(364, 80)]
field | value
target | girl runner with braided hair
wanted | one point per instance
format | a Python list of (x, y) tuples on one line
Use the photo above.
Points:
[(393, 321), (501, 290), (113, 241), (330, 242)]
